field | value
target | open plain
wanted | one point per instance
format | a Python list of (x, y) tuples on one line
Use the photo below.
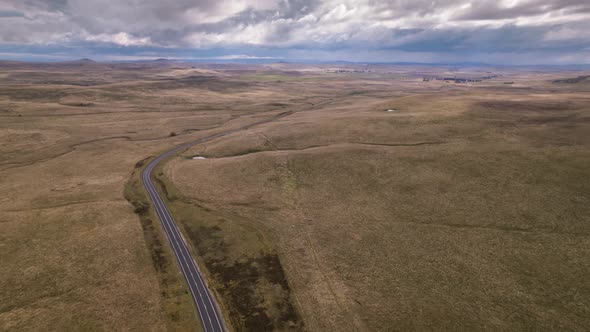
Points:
[(383, 198)]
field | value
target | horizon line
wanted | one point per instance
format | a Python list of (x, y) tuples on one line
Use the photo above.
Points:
[(263, 60)]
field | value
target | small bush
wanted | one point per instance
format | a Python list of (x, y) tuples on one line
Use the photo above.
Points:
[(140, 207)]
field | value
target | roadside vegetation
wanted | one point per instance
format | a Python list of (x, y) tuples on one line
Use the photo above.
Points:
[(175, 301), (241, 262)]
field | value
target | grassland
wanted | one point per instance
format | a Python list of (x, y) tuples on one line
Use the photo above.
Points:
[(465, 208), (75, 254)]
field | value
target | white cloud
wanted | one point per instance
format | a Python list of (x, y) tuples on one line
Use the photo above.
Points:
[(121, 38)]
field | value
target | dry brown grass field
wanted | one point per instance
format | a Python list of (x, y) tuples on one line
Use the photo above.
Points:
[(466, 207)]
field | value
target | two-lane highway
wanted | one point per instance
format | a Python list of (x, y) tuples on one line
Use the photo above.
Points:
[(205, 302), (208, 311)]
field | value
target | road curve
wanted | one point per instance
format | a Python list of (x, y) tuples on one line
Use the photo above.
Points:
[(205, 302)]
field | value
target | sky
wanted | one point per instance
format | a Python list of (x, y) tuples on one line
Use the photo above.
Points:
[(508, 32)]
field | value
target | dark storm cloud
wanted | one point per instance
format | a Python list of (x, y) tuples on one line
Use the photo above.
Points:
[(11, 13), (376, 28), (48, 5)]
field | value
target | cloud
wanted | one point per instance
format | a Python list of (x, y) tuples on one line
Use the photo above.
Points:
[(121, 38), (448, 29), (11, 13), (501, 10)]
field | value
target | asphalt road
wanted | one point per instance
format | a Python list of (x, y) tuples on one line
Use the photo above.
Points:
[(206, 305)]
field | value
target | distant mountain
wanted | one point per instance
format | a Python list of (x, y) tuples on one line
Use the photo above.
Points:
[(79, 62)]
